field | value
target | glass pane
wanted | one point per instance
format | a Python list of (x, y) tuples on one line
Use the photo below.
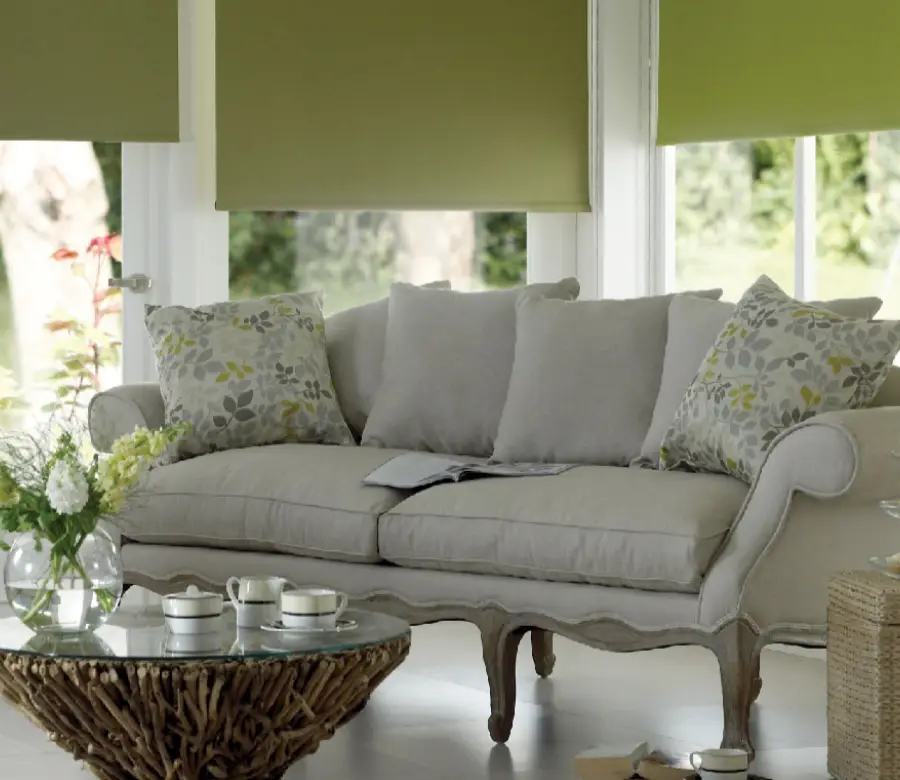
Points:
[(355, 255), (734, 215), (858, 217), (60, 327)]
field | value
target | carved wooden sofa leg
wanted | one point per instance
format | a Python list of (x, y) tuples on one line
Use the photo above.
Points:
[(542, 652), (737, 649), (500, 646)]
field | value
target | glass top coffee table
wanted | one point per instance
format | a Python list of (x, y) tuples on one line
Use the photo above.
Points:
[(135, 702)]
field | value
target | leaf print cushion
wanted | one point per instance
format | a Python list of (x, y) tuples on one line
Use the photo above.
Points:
[(247, 373), (776, 363)]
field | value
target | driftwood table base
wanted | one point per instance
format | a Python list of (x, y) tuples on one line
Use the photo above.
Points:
[(195, 720)]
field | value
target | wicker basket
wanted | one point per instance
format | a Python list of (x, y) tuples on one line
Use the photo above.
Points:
[(864, 677)]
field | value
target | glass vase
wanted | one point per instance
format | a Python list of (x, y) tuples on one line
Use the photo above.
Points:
[(57, 595)]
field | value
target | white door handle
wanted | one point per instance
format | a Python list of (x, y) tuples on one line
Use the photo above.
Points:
[(137, 283)]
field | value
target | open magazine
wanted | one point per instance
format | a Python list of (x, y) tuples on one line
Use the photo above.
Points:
[(414, 470)]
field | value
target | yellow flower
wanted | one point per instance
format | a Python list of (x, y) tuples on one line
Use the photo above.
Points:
[(119, 473)]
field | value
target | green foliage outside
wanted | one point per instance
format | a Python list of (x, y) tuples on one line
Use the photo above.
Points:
[(735, 214), (347, 252)]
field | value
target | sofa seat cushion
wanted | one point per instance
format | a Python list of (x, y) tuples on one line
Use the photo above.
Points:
[(304, 499), (594, 524)]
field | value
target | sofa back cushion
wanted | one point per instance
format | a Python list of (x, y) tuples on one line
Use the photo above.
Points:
[(355, 346), (694, 324), (585, 379), (447, 363)]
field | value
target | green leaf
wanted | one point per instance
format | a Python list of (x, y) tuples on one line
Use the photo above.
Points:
[(806, 394)]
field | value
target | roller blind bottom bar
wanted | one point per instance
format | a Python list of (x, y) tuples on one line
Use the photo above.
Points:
[(740, 69), (279, 205)]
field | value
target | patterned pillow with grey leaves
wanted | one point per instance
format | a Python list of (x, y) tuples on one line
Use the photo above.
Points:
[(776, 363), (247, 373)]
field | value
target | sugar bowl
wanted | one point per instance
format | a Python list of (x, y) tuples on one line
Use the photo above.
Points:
[(192, 611)]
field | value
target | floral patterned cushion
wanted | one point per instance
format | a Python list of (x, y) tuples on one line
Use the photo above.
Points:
[(247, 373), (776, 363)]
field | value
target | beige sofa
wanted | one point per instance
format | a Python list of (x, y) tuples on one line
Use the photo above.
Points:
[(619, 558)]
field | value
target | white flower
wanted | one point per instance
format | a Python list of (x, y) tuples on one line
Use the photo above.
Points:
[(67, 488)]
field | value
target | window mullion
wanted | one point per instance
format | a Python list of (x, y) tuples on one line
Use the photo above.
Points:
[(805, 217), (552, 246)]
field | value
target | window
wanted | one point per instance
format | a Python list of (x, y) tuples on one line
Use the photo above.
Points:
[(355, 255), (858, 218), (820, 215), (734, 215), (60, 327)]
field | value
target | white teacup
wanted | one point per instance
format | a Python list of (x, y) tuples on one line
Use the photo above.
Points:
[(721, 763), (312, 607), (255, 598)]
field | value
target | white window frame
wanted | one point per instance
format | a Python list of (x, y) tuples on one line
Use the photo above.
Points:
[(663, 192), (170, 228)]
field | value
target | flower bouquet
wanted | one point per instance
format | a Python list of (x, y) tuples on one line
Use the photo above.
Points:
[(63, 572)]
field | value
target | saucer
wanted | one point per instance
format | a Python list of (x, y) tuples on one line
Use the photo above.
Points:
[(278, 627), (882, 565)]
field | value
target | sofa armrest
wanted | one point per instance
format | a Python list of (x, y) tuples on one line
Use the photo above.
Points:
[(117, 412), (835, 467)]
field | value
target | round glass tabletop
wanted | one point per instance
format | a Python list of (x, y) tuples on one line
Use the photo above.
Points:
[(143, 636)]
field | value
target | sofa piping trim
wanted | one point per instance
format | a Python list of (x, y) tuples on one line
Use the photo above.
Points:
[(410, 563), (375, 513), (474, 518), (265, 545)]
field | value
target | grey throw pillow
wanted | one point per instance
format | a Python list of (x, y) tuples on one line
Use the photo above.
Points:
[(447, 363), (776, 363), (247, 373), (356, 340), (584, 380), (694, 324)]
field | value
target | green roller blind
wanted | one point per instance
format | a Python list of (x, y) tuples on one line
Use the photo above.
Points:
[(402, 104), (765, 68), (89, 70)]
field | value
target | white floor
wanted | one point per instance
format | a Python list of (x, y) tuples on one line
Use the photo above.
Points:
[(428, 720)]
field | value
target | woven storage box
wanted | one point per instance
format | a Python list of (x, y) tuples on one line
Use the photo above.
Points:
[(864, 676)]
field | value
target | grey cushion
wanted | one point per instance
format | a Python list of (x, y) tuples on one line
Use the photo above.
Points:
[(593, 524), (694, 325), (585, 380), (446, 367), (292, 498), (355, 353)]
